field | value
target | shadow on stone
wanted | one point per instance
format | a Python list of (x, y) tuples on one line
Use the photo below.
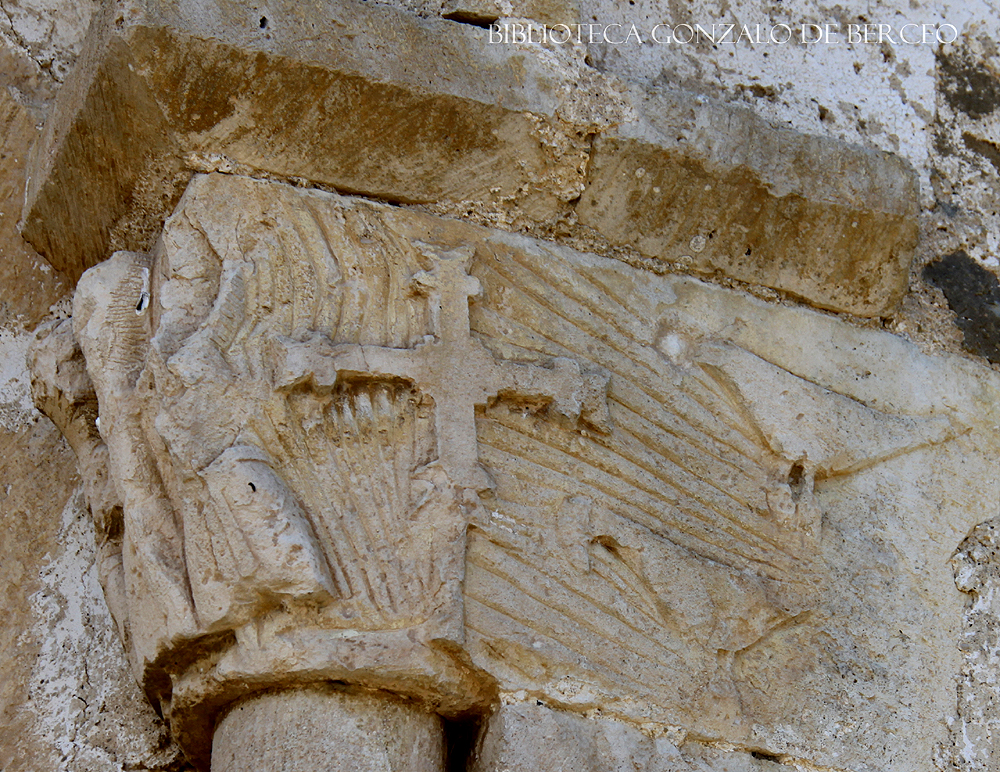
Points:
[(460, 737), (973, 293)]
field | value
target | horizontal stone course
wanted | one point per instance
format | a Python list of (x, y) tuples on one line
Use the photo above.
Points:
[(715, 188), (376, 101)]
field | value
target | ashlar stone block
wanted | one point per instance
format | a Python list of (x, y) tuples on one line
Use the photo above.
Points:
[(369, 99), (713, 188), (359, 96)]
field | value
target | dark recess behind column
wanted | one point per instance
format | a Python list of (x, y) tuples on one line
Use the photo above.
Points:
[(973, 293)]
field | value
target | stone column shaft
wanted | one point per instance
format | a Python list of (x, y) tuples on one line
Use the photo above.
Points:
[(324, 730)]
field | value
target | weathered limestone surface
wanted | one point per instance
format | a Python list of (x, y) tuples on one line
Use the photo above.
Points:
[(761, 204), (812, 648), (67, 698), (32, 451), (358, 443), (645, 523), (429, 111), (933, 104), (977, 570), (32, 286), (487, 11), (67, 701), (386, 103), (532, 736), (39, 41), (327, 731)]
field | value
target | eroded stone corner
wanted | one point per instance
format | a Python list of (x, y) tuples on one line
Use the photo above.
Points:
[(977, 727)]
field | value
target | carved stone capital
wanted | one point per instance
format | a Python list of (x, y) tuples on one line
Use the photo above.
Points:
[(360, 449), (288, 391)]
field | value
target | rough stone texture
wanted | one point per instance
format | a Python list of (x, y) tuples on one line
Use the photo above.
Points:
[(327, 731), (437, 116), (964, 155), (30, 531), (482, 12), (532, 736), (693, 511), (31, 283), (67, 700), (828, 223), (39, 40), (86, 712), (827, 638), (46, 31), (348, 567), (821, 661), (502, 130)]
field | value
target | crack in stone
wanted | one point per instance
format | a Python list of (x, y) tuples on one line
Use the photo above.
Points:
[(18, 38)]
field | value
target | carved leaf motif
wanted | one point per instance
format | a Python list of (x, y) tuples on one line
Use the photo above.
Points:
[(262, 544)]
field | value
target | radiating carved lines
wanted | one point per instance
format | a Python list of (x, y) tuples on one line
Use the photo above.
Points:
[(322, 270), (637, 389), (589, 616), (351, 457), (542, 280), (720, 489), (359, 495), (700, 532), (644, 367), (581, 621), (530, 537), (528, 649), (684, 464)]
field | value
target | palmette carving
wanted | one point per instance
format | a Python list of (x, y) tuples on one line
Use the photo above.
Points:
[(289, 402), (453, 368), (325, 516), (307, 401)]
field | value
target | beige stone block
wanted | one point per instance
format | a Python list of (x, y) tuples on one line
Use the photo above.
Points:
[(327, 731), (31, 285), (384, 103), (713, 188)]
